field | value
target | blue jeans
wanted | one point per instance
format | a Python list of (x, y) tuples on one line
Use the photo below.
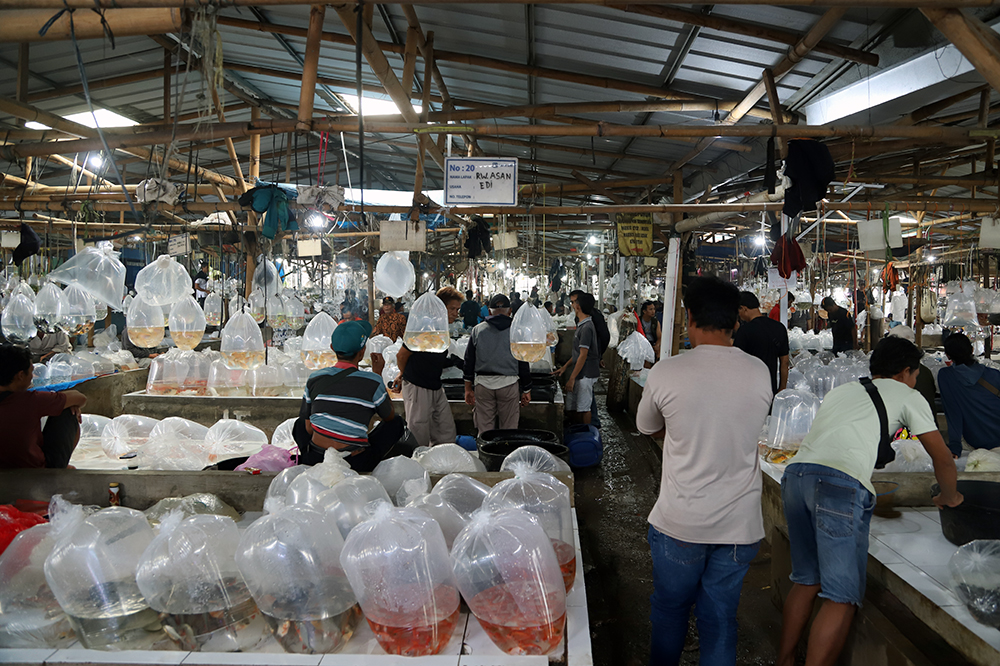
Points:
[(706, 576), (828, 515)]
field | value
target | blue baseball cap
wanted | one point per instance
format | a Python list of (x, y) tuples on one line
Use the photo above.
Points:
[(350, 337)]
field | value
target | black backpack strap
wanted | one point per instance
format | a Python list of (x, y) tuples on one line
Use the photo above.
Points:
[(886, 454)]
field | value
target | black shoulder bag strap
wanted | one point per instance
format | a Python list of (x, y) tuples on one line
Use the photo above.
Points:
[(886, 454), (989, 387), (329, 380)]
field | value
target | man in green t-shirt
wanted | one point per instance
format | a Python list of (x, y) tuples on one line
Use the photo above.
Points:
[(828, 496)]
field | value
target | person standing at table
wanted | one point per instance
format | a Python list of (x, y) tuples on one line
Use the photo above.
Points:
[(428, 414), (470, 310), (842, 326), (390, 323), (497, 385), (764, 338)]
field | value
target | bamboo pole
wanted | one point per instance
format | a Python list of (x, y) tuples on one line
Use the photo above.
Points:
[(598, 188), (487, 63), (254, 147), (24, 25), (925, 112), (966, 33), (307, 93), (409, 59), (97, 84)]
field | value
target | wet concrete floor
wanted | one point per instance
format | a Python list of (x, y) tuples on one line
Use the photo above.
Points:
[(612, 502)]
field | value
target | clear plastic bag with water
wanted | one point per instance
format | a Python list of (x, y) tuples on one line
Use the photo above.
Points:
[(79, 315), (213, 309), (229, 438), (98, 272), (188, 574), (427, 325), (397, 563), (510, 579), (126, 434), (394, 274), (50, 309), (163, 282), (144, 323), (175, 444), (536, 458), (392, 472), (462, 492), (547, 499), (18, 320), (242, 343), (290, 560), (257, 306), (347, 502), (529, 334), (187, 323), (316, 350), (447, 458), (975, 574)]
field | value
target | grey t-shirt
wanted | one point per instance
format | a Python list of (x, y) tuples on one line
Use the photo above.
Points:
[(586, 338)]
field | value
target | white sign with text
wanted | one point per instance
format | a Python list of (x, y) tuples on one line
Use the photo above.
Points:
[(471, 181)]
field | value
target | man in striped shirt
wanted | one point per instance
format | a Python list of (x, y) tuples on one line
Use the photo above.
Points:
[(339, 404)]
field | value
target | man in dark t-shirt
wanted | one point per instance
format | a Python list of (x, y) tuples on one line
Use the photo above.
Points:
[(841, 326), (764, 338), (470, 310), (25, 444)]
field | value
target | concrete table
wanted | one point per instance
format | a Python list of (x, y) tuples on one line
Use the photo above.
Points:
[(268, 413)]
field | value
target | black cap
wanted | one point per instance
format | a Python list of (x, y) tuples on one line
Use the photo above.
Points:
[(499, 301)]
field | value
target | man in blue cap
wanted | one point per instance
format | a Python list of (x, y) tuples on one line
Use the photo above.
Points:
[(339, 403)]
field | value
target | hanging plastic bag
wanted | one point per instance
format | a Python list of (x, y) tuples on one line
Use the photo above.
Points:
[(97, 272), (187, 323), (636, 351), (242, 344), (236, 305), (229, 439), (126, 434), (91, 571), (346, 504), (960, 311), (257, 306), (144, 323), (975, 574), (213, 309), (50, 309), (188, 574), (290, 561), (30, 616), (448, 458), (462, 492), (275, 312), (397, 562), (175, 444), (163, 282), (24, 289), (392, 472), (18, 320), (536, 458), (79, 314), (266, 277), (295, 313), (507, 573), (547, 499), (427, 325), (529, 334), (394, 274), (316, 350)]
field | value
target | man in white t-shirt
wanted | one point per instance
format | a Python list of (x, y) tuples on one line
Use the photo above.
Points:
[(828, 496), (705, 529)]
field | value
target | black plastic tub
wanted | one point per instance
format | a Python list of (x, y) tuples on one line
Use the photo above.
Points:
[(543, 388), (454, 389), (978, 517), (495, 445)]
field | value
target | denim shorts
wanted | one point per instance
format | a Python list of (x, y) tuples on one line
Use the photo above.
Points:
[(828, 514)]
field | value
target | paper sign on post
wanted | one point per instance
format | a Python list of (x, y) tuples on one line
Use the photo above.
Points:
[(775, 281), (179, 245), (402, 235), (470, 181)]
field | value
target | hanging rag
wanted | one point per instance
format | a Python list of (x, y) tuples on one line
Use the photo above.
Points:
[(154, 189), (809, 166), (787, 256), (478, 240), (317, 196), (272, 200), (555, 276), (30, 244)]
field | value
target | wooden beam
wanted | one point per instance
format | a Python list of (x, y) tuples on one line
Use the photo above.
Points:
[(925, 112), (966, 32), (25, 25), (735, 26), (97, 84), (410, 60), (774, 102), (254, 147), (795, 55), (307, 93), (984, 116), (21, 86), (383, 72), (481, 61), (557, 189)]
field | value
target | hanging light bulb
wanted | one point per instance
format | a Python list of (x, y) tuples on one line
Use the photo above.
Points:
[(96, 160), (759, 241), (315, 220)]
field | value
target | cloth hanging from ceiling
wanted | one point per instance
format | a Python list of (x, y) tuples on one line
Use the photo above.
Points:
[(810, 167)]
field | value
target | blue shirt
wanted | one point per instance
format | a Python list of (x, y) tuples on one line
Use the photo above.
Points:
[(342, 408), (972, 411)]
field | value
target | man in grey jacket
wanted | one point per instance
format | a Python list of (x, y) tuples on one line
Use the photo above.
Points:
[(496, 383)]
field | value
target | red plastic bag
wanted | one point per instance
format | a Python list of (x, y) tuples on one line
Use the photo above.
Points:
[(13, 522)]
